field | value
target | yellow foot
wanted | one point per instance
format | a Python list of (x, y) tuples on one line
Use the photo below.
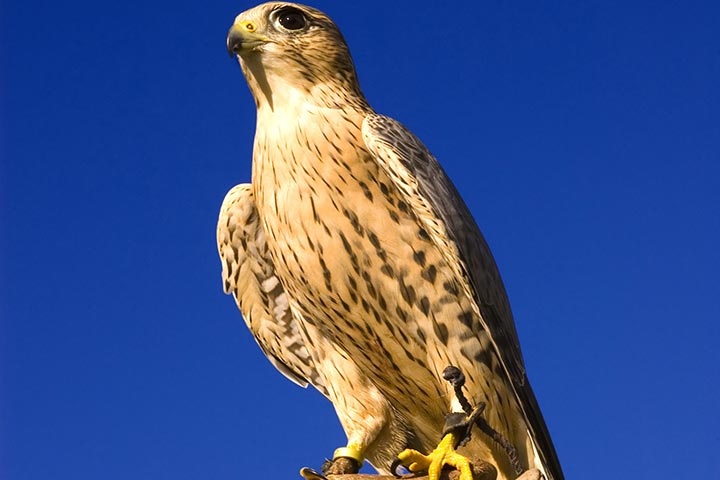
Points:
[(444, 454)]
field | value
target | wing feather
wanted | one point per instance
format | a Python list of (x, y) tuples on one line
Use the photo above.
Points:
[(249, 275)]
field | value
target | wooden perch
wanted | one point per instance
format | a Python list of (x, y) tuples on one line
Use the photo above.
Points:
[(478, 474), (481, 471)]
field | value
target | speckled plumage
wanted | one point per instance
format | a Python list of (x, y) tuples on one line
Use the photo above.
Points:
[(356, 264)]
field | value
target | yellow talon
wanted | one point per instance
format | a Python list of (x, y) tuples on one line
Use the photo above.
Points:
[(444, 454)]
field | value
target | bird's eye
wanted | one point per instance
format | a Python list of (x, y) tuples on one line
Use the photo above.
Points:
[(291, 19)]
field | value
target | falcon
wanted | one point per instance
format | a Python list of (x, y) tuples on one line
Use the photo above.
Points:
[(359, 269)]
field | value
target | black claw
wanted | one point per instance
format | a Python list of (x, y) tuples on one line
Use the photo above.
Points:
[(394, 468), (310, 474)]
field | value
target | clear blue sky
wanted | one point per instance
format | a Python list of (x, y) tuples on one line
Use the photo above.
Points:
[(585, 136)]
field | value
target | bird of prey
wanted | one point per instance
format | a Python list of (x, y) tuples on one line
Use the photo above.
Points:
[(358, 267)]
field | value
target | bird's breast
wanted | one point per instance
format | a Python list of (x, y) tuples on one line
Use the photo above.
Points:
[(355, 259)]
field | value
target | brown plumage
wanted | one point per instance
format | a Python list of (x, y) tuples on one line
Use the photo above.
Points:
[(355, 262)]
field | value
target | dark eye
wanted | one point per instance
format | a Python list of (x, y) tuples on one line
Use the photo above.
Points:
[(291, 19)]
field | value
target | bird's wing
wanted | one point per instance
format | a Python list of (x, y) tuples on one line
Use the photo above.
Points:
[(249, 275), (426, 187), (437, 203)]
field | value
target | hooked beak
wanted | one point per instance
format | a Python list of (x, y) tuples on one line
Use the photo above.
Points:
[(241, 39)]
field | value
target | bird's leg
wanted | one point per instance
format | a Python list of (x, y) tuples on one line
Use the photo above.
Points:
[(456, 378), (456, 432), (364, 413), (362, 418), (346, 460), (362, 429)]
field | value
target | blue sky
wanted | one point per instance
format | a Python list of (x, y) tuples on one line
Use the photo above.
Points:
[(585, 136)]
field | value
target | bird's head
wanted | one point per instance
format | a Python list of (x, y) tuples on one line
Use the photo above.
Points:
[(285, 46)]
